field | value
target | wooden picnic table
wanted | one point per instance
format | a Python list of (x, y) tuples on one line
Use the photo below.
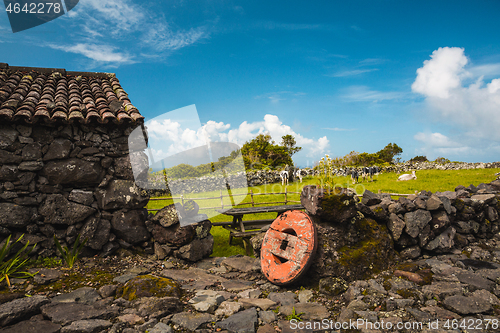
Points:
[(246, 229)]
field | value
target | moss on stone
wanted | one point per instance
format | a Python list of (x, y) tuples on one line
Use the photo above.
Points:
[(369, 254), (147, 286)]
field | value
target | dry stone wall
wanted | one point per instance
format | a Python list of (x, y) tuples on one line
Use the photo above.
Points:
[(68, 180), (359, 238)]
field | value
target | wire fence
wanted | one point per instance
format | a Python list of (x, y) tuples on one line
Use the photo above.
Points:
[(252, 201)]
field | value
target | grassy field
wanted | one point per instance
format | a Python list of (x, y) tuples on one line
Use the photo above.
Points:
[(430, 180)]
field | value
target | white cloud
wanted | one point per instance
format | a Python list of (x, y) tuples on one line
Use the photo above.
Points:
[(364, 94), (442, 73), (162, 38), (474, 108), (437, 144), (173, 138), (136, 28), (353, 72), (99, 53), (435, 140), (276, 97)]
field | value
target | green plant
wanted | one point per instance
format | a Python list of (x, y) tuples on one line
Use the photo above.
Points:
[(277, 310), (12, 267), (70, 256), (294, 315)]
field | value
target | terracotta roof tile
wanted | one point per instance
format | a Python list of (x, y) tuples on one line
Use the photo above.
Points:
[(38, 95)]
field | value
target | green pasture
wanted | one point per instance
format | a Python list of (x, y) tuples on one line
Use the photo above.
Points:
[(429, 180)]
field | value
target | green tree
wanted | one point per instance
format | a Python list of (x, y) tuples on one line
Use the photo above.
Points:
[(288, 141), (389, 152), (419, 158), (261, 152)]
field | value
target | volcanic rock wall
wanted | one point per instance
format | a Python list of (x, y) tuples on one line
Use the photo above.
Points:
[(357, 239), (68, 180)]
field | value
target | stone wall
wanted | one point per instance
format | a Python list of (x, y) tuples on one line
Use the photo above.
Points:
[(68, 180), (408, 166), (359, 238), (215, 183)]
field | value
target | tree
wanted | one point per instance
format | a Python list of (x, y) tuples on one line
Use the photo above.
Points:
[(262, 152), (419, 158), (288, 141), (389, 152)]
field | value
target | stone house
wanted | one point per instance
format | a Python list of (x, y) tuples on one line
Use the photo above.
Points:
[(64, 160)]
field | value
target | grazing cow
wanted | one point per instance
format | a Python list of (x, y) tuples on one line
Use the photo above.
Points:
[(364, 172), (299, 174), (284, 177), (407, 176), (354, 175)]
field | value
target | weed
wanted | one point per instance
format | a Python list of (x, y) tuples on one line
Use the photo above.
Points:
[(294, 315), (12, 267), (70, 257)]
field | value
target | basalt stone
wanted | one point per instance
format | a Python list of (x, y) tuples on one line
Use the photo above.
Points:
[(12, 215), (175, 234), (96, 231), (9, 158), (58, 149), (411, 252), (31, 166), (334, 206), (123, 168), (483, 198), (442, 243), (7, 136), (197, 249), (370, 198), (396, 226), (81, 197), (168, 215), (148, 286), (73, 172), (351, 250), (440, 220), (56, 209), (407, 204), (202, 229), (416, 221), (378, 213), (20, 309), (121, 194), (491, 214), (32, 152), (9, 173), (434, 203), (130, 226)]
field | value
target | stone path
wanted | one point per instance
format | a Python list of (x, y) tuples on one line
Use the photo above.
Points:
[(456, 292)]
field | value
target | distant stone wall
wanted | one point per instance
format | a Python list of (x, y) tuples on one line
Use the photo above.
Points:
[(68, 180), (215, 183), (408, 166)]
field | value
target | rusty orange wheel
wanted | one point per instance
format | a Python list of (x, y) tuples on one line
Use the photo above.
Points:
[(288, 247)]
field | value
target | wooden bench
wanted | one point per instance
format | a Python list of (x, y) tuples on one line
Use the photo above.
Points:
[(246, 229)]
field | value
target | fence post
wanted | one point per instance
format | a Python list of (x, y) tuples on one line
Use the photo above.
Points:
[(182, 199), (416, 192), (221, 201), (379, 191), (251, 196), (286, 190)]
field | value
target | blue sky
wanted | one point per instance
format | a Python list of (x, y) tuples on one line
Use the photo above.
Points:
[(340, 76)]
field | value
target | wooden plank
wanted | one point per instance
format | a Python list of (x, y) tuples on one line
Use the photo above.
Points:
[(255, 210)]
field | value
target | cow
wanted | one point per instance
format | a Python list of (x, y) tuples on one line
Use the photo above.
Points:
[(354, 175), (299, 175), (284, 177), (407, 176)]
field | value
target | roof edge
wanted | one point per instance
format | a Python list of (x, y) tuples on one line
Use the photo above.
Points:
[(54, 70)]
